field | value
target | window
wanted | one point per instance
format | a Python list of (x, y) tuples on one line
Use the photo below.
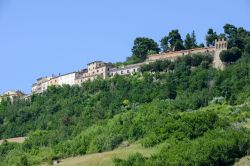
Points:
[(128, 71), (121, 72)]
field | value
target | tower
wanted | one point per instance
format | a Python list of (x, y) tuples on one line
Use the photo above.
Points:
[(220, 45)]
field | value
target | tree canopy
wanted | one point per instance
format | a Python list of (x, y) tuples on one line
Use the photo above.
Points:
[(142, 46), (230, 55), (210, 37)]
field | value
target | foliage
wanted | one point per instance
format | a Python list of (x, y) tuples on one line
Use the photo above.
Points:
[(216, 147), (190, 41), (211, 37), (164, 43), (192, 60), (230, 55), (192, 110), (142, 46)]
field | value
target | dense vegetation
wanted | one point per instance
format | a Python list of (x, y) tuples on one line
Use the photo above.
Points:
[(195, 113)]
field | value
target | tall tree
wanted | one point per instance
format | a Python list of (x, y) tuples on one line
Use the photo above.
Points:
[(188, 42), (193, 40), (164, 43), (175, 40), (179, 45), (230, 31), (235, 36), (142, 46), (210, 37)]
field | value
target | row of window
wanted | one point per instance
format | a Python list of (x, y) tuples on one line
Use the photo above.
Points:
[(222, 45), (124, 72)]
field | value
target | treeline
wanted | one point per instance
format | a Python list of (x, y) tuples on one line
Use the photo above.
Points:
[(143, 46)]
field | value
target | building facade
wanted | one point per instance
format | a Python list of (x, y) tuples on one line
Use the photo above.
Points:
[(100, 69), (67, 79), (41, 85), (11, 95), (97, 69), (125, 70)]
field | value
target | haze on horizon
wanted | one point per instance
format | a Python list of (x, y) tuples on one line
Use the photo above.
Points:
[(41, 38)]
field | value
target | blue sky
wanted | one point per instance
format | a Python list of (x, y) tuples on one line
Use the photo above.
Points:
[(45, 37)]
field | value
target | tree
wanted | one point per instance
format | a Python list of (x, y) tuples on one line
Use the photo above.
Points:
[(141, 47), (210, 37), (164, 43), (230, 31), (235, 36), (247, 46), (201, 45), (175, 41), (179, 46), (230, 55), (193, 40), (150, 52), (188, 42)]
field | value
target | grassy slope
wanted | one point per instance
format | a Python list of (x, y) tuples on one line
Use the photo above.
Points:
[(105, 158)]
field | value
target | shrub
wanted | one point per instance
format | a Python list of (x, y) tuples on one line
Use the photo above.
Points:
[(230, 55)]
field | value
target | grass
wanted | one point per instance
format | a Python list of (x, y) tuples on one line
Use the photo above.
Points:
[(105, 158)]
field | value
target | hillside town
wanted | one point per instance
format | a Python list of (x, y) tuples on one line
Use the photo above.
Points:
[(103, 70)]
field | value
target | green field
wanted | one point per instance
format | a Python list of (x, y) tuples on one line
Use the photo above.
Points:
[(105, 158)]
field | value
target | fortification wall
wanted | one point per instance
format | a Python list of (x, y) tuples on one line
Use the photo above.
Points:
[(215, 51)]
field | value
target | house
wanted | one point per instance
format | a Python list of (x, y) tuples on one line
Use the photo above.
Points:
[(125, 70), (11, 95)]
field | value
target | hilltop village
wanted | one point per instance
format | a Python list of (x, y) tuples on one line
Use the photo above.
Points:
[(103, 70)]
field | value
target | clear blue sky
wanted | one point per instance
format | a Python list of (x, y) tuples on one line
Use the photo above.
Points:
[(45, 37)]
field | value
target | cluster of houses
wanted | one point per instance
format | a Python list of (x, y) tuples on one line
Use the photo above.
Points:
[(103, 70), (94, 70)]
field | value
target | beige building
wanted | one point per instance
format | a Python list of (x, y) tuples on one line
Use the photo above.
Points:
[(53, 81), (41, 85), (96, 69), (220, 45), (12, 95)]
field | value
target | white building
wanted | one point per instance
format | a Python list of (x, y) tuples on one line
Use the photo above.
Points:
[(67, 79), (126, 70), (41, 85), (12, 95)]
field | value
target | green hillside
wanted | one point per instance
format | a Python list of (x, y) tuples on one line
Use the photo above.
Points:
[(197, 114)]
